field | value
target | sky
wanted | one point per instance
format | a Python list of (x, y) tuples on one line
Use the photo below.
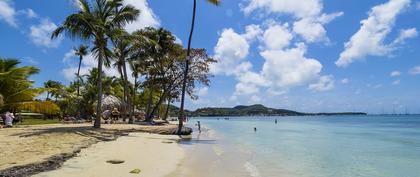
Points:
[(304, 55)]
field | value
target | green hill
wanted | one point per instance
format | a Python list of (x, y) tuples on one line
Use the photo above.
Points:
[(257, 109)]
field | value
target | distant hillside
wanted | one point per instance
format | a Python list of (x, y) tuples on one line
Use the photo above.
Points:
[(244, 111), (254, 110)]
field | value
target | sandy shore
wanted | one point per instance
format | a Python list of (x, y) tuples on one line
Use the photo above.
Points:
[(155, 155), (29, 150)]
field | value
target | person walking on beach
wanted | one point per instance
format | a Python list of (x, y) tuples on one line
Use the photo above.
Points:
[(275, 121), (199, 126)]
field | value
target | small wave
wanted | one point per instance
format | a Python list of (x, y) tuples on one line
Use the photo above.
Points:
[(252, 169)]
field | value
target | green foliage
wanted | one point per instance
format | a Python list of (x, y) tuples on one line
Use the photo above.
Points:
[(15, 87)]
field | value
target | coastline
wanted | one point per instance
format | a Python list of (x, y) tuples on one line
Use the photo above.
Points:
[(29, 150)]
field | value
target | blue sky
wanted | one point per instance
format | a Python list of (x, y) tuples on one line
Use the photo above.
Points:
[(305, 55)]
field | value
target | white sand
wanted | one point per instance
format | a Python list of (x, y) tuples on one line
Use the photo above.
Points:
[(146, 152)]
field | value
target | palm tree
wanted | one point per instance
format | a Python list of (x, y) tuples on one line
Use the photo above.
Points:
[(81, 51), (97, 23), (122, 48), (15, 87), (187, 61)]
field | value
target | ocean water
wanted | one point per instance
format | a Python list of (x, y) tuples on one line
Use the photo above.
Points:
[(324, 146)]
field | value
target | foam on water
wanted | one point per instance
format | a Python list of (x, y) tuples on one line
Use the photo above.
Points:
[(252, 169)]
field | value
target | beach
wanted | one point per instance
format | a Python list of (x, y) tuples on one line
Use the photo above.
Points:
[(155, 155), (28, 150)]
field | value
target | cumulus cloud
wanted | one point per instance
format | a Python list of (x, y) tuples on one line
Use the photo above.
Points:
[(277, 37), (231, 49), (310, 19), (289, 68), (297, 8), (41, 34), (415, 70), (395, 73), (8, 13), (324, 83), (369, 40), (147, 17)]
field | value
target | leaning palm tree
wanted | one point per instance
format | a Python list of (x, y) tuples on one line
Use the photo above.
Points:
[(97, 23), (81, 51), (187, 62)]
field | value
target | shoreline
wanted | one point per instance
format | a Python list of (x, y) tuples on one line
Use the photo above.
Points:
[(29, 150)]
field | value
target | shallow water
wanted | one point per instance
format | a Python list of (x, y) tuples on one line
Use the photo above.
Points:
[(366, 146)]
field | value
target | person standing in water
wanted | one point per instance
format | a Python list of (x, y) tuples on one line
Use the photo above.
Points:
[(275, 121), (255, 129), (199, 126)]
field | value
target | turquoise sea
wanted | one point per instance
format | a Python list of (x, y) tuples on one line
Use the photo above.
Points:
[(324, 146)]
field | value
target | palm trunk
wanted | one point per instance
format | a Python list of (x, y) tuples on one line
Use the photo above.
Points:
[(97, 123), (167, 109), (184, 83), (120, 69), (157, 105), (149, 103), (134, 93), (78, 76), (128, 105)]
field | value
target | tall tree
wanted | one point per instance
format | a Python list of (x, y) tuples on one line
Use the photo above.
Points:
[(187, 62), (81, 51), (122, 48), (97, 22)]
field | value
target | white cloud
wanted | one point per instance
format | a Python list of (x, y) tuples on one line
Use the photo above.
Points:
[(277, 37), (310, 19), (345, 81), (297, 8), (312, 29), (406, 34), (147, 17), (289, 68), (29, 13), (325, 83), (415, 70), (8, 13), (395, 73), (252, 32), (396, 82), (369, 40), (41, 34), (230, 51)]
